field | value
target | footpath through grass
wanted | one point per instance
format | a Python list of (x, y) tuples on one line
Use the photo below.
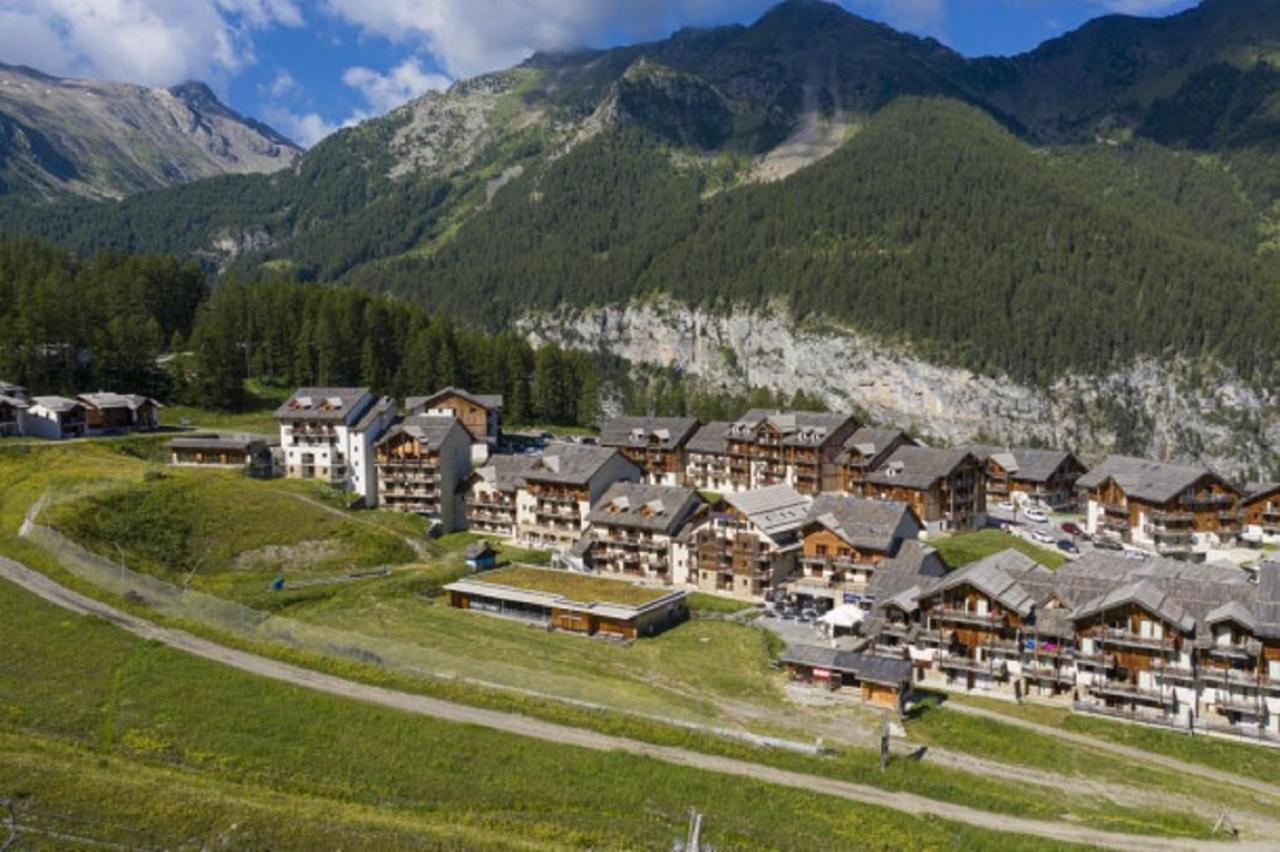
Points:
[(141, 745), (964, 548)]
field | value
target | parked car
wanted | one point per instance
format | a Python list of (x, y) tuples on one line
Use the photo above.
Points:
[(1067, 546), (1037, 516), (1135, 555), (1072, 528), (1107, 544), (1043, 537), (1006, 506)]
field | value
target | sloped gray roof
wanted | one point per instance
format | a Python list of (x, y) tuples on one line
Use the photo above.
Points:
[(240, 443), (109, 399), (1231, 611), (1261, 490), (773, 510), (863, 523), (16, 402), (58, 404), (998, 577), (1023, 463), (917, 468), (329, 405), (667, 433), (659, 508), (868, 443), (711, 438), (377, 410), (799, 428), (493, 402), (429, 430), (891, 671), (571, 464), (1145, 479), (1145, 594), (1267, 608), (915, 565), (506, 472)]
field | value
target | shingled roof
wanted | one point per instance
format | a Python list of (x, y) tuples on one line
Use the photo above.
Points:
[(657, 508), (328, 405), (774, 510), (667, 433), (917, 468), (492, 402), (889, 671), (865, 446), (1145, 479), (506, 472), (711, 438), (870, 524), (998, 577), (1267, 607), (571, 464), (429, 430), (1023, 463), (1146, 594), (799, 428)]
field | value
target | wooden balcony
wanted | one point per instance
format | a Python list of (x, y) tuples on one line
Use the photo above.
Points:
[(991, 668), (963, 616), (1129, 639), (1133, 692)]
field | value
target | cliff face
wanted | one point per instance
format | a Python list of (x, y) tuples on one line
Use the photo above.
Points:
[(1164, 410), (105, 140)]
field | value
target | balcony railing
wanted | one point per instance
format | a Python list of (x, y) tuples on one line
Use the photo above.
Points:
[(1133, 692), (994, 668), (1129, 639), (1047, 673), (964, 616)]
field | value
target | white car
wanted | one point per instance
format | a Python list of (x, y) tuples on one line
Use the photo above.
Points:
[(1036, 516), (1135, 555), (1006, 506), (1043, 537)]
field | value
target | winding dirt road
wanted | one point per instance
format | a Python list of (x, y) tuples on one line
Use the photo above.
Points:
[(907, 803)]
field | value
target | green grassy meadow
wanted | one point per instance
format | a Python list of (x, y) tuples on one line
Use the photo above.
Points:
[(963, 548)]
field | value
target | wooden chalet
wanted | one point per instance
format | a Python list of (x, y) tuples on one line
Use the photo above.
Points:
[(1041, 477), (1260, 513), (866, 450), (749, 546), (883, 682), (944, 487), (479, 414), (55, 418), (1171, 509), (656, 445), (561, 486), (248, 453), (633, 527), (114, 413), (795, 448), (423, 463)]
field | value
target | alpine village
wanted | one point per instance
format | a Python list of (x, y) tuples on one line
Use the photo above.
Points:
[(785, 434)]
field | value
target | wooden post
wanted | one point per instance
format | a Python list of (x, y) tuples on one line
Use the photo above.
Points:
[(884, 741)]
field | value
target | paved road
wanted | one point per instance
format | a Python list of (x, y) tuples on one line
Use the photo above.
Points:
[(511, 723)]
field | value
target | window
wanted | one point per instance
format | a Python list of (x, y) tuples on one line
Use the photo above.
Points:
[(982, 606)]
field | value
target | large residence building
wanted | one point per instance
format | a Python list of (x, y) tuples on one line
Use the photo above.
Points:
[(1260, 513), (866, 450), (560, 488), (491, 494), (422, 464), (633, 528), (1019, 475), (479, 414), (656, 445), (795, 448), (748, 547), (844, 540), (944, 487), (328, 434), (1172, 509), (707, 458), (1161, 641)]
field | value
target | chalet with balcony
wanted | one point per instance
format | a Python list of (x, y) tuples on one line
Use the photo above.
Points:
[(750, 545), (866, 450), (328, 435), (944, 487), (422, 465), (633, 528), (797, 448), (115, 414), (1171, 509), (1044, 478), (479, 414), (560, 488), (248, 453), (707, 462), (12, 409), (843, 542), (491, 494), (656, 445), (1260, 513), (55, 418)]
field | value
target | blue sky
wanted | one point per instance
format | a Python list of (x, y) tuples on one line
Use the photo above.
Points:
[(311, 66)]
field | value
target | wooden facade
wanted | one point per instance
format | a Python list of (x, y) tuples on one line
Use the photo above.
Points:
[(1206, 508), (409, 475), (1260, 512), (482, 421), (955, 501)]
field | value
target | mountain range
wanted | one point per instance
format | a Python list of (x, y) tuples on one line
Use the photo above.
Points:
[(61, 137), (1109, 197)]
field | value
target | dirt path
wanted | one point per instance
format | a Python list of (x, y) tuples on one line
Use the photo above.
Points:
[(1122, 750), (510, 723)]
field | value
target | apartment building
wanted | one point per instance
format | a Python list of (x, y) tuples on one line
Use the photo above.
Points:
[(1172, 509), (1260, 513), (656, 445), (328, 434), (633, 528), (55, 418), (866, 450), (560, 488), (707, 458), (944, 487), (491, 494), (795, 448), (1162, 641), (748, 546), (1045, 478), (115, 414), (422, 463), (479, 414), (843, 541)]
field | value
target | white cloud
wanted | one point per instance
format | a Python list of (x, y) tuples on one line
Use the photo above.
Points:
[(468, 37), (404, 82), (282, 84), (153, 42), (304, 128)]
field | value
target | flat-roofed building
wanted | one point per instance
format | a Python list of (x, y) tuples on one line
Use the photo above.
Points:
[(1172, 509), (633, 527), (574, 603), (944, 487), (249, 453), (422, 465), (560, 488), (656, 445), (750, 545), (328, 434)]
